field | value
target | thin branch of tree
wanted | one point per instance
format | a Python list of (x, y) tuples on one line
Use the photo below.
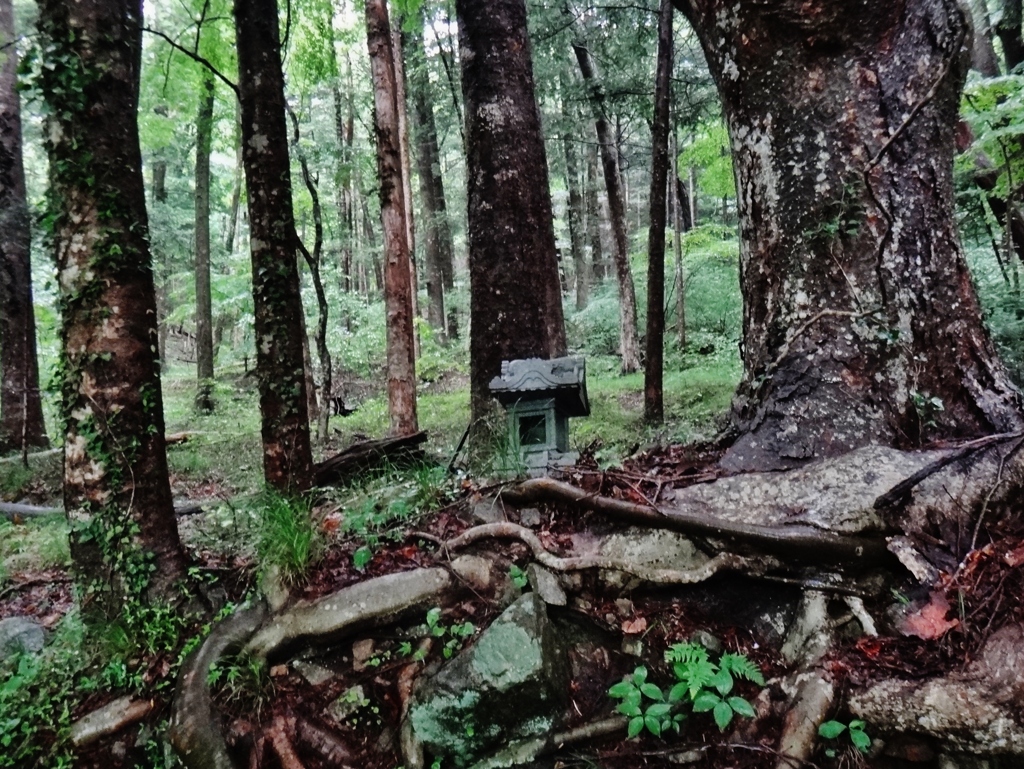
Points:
[(195, 57)]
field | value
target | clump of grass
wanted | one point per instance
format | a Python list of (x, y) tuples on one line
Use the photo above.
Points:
[(288, 539)]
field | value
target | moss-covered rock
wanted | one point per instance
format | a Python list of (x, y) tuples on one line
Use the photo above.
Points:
[(512, 685)]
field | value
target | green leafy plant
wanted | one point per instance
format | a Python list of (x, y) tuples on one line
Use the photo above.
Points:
[(456, 634), (656, 717), (518, 576), (831, 730), (701, 684), (709, 685)]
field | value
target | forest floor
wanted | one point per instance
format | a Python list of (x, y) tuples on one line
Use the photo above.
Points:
[(342, 705)]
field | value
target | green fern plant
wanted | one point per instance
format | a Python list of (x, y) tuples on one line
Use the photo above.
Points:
[(701, 684)]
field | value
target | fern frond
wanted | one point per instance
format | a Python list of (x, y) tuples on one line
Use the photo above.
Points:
[(686, 653), (741, 666)]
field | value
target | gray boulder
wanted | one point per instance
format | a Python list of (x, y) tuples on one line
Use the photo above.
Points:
[(512, 685), (20, 634)]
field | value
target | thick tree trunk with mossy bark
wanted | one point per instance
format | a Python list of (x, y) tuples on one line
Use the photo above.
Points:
[(516, 302), (861, 323), (287, 455), (21, 413), (124, 538)]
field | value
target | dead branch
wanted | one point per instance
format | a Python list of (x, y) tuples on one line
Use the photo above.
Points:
[(367, 455), (13, 512), (556, 563), (109, 719), (799, 542)]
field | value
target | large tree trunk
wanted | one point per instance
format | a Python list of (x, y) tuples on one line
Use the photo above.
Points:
[(21, 413), (439, 250), (401, 359), (287, 456), (629, 345), (204, 299), (860, 323), (124, 538), (516, 303), (654, 406)]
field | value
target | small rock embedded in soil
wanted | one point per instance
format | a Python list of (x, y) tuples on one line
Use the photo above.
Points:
[(20, 634)]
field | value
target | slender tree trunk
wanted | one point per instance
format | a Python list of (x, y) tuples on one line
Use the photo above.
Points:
[(516, 309), (680, 209), (654, 403), (861, 324), (401, 361), (160, 181), (314, 260), (204, 299), (124, 537), (401, 103), (236, 185), (983, 53), (438, 251), (629, 346), (21, 413), (576, 233), (593, 203), (1009, 31), (287, 455)]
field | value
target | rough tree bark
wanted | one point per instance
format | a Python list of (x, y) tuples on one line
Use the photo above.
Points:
[(860, 320), (680, 207), (287, 455), (654, 402), (21, 413), (629, 345), (204, 298), (401, 358), (124, 538), (516, 303)]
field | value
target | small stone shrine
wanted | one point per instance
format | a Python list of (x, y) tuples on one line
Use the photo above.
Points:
[(540, 396)]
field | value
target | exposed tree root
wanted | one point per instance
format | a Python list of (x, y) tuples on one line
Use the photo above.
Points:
[(721, 562), (194, 729), (282, 745), (803, 542), (365, 604)]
